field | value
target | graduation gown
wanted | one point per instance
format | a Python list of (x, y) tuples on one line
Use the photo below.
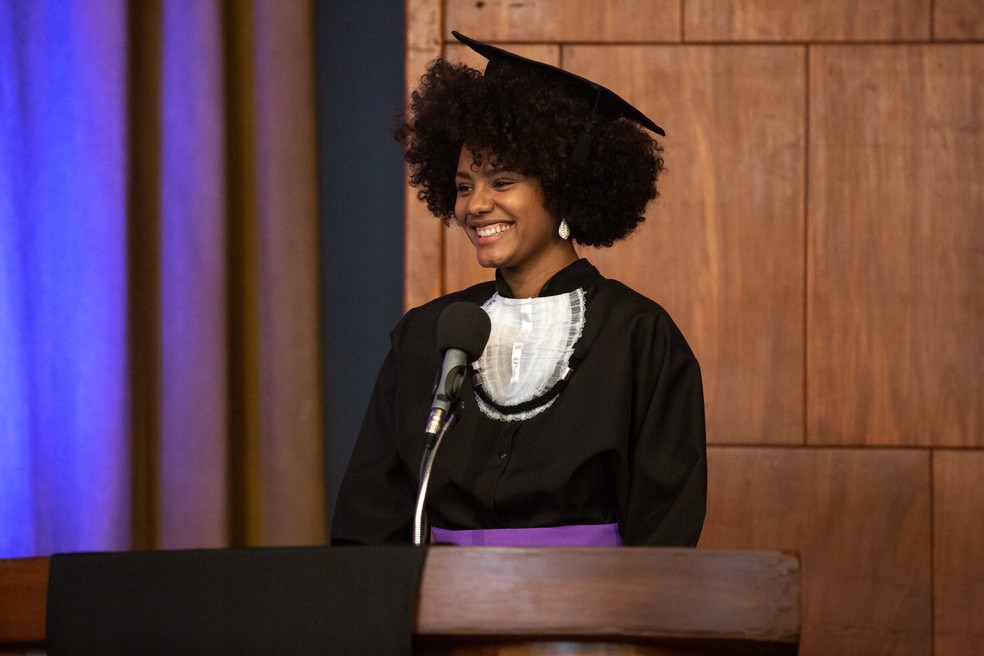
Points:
[(623, 443)]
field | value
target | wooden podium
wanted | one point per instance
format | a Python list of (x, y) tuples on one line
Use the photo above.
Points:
[(623, 600)]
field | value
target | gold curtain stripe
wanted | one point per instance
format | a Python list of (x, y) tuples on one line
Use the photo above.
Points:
[(144, 268), (245, 493)]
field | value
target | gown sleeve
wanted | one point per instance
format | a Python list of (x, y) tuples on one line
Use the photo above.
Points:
[(376, 500), (667, 489)]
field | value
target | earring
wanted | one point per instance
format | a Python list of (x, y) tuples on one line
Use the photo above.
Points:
[(564, 230)]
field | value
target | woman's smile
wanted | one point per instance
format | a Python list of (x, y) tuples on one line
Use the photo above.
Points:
[(492, 230)]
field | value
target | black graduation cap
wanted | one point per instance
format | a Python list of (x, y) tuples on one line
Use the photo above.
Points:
[(603, 100)]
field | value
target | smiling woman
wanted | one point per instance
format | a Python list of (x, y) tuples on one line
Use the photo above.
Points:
[(583, 421)]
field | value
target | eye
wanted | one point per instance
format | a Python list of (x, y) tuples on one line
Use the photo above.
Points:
[(463, 188), (502, 183)]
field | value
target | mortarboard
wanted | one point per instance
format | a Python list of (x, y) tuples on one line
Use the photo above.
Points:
[(604, 100)]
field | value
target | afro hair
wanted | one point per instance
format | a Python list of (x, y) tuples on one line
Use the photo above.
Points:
[(531, 124)]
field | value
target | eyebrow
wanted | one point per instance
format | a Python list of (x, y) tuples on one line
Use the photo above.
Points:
[(492, 170)]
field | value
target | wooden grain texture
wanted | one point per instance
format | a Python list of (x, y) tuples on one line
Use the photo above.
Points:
[(958, 19), (896, 251), (613, 592), (423, 234), (519, 647), (566, 647), (860, 521), (806, 20), (566, 20), (722, 249), (958, 506), (23, 599)]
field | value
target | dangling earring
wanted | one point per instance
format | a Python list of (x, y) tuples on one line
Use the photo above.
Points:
[(564, 230)]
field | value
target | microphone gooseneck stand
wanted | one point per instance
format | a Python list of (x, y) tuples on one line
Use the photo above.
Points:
[(426, 464), (463, 331)]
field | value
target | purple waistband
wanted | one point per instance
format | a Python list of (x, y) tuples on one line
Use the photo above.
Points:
[(584, 535)]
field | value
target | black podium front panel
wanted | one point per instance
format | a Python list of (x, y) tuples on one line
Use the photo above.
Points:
[(299, 600)]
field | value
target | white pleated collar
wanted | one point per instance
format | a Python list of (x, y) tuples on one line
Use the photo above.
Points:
[(529, 350)]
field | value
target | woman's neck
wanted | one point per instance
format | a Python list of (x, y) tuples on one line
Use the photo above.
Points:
[(527, 283)]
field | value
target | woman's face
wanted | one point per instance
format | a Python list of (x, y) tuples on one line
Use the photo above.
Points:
[(503, 214)]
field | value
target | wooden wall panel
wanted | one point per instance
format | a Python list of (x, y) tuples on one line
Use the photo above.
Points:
[(819, 242), (423, 234), (896, 263), (859, 519), (566, 20), (958, 500), (958, 19), (806, 20), (722, 249)]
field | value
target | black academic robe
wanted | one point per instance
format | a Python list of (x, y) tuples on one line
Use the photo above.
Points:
[(623, 442)]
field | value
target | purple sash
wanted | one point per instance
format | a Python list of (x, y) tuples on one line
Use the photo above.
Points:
[(584, 535)]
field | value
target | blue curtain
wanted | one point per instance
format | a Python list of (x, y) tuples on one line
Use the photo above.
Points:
[(159, 371), (63, 396)]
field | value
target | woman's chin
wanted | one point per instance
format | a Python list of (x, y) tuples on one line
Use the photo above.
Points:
[(487, 259), (487, 264)]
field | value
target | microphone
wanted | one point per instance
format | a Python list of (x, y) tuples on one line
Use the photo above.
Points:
[(462, 333)]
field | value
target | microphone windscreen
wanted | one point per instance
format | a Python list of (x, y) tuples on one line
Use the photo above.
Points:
[(464, 326)]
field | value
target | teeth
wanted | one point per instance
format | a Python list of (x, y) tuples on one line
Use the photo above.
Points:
[(488, 231)]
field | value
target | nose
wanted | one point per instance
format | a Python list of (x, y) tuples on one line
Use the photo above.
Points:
[(479, 201)]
